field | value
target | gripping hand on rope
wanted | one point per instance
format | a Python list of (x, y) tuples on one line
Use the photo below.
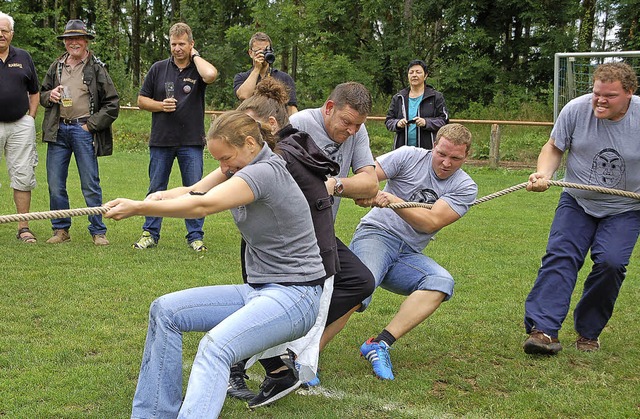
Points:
[(382, 199), (548, 162), (122, 208), (538, 182)]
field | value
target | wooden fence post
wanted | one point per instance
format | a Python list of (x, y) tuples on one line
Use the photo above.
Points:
[(494, 147)]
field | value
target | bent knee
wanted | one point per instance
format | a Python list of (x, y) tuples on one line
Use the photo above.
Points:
[(161, 307), (611, 264), (23, 181), (368, 285), (156, 308), (442, 284)]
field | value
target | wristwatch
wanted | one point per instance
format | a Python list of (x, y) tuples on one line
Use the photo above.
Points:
[(195, 55), (338, 189)]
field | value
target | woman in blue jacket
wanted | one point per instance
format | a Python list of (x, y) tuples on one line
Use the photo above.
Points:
[(417, 112)]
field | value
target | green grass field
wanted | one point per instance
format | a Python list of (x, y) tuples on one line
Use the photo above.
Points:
[(74, 317)]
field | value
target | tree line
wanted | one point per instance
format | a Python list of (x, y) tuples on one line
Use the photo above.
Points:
[(475, 50)]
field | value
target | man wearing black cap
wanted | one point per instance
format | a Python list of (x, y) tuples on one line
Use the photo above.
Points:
[(19, 93), (81, 103)]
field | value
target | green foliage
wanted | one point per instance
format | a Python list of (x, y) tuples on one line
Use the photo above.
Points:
[(509, 104), (41, 43), (221, 34), (627, 14), (323, 71), (460, 84), (475, 50)]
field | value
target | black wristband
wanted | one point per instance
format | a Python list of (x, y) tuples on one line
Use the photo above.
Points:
[(196, 193)]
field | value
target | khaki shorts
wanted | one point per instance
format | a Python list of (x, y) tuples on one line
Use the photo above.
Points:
[(18, 144)]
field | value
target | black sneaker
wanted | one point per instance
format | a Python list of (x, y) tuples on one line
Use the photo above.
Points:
[(273, 389), (237, 386)]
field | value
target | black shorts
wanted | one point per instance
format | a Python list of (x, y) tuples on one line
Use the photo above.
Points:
[(351, 285)]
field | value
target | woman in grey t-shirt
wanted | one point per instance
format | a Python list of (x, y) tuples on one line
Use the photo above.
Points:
[(284, 274)]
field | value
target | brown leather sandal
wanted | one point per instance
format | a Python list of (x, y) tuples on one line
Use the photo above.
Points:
[(26, 235)]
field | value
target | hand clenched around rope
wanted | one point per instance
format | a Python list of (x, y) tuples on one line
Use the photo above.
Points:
[(121, 208), (538, 182), (382, 199)]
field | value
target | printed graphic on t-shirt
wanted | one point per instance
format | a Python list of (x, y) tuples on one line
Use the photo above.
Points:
[(608, 170), (239, 213), (333, 151), (427, 196)]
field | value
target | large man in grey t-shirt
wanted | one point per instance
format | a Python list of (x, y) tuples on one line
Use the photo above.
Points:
[(338, 129), (390, 241), (599, 133)]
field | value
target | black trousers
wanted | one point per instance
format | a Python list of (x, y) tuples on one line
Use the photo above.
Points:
[(351, 285)]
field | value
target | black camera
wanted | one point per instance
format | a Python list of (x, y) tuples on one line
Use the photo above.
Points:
[(411, 121), (269, 56)]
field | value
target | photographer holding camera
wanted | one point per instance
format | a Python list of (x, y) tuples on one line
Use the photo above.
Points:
[(263, 56)]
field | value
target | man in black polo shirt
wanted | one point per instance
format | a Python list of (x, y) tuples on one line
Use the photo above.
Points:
[(173, 91), (261, 53), (19, 93)]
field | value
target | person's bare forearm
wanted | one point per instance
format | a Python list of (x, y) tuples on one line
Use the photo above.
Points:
[(247, 88)]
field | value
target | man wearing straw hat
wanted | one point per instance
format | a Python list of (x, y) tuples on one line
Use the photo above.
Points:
[(598, 132), (81, 103)]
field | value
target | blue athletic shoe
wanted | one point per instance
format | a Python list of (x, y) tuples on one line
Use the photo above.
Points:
[(378, 354), (312, 383)]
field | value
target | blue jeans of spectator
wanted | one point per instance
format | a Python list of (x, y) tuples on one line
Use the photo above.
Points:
[(573, 233), (240, 321), (191, 165), (72, 139), (396, 267)]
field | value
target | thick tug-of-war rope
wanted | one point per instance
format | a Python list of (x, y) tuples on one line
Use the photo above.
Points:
[(524, 185), (44, 215)]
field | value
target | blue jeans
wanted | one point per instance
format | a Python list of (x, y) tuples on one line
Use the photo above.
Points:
[(396, 267), (240, 321), (160, 164), (73, 139), (573, 233)]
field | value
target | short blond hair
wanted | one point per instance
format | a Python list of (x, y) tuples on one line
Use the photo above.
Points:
[(458, 134), (180, 29)]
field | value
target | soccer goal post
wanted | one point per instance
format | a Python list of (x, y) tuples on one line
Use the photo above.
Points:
[(572, 73)]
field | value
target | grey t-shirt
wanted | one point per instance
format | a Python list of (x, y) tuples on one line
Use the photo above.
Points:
[(602, 153), (277, 226), (410, 176), (353, 154)]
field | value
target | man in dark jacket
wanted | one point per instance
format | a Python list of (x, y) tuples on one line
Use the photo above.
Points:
[(81, 103)]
